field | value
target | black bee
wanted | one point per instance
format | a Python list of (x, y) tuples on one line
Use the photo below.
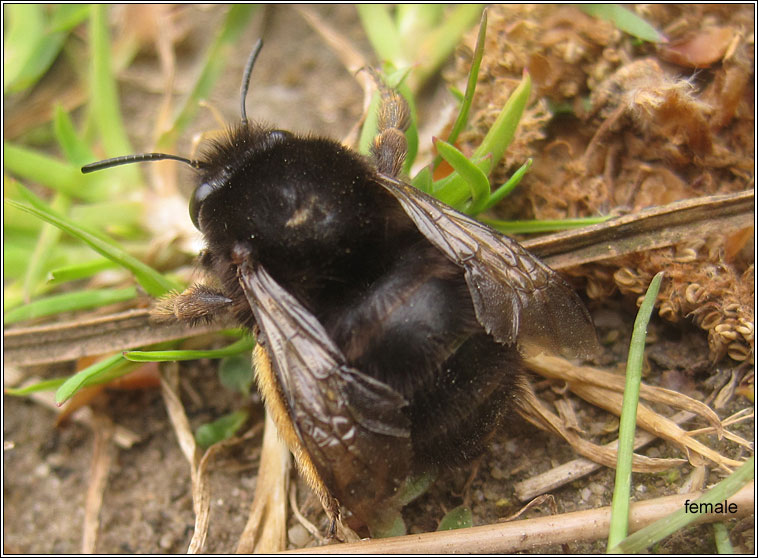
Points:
[(388, 323)]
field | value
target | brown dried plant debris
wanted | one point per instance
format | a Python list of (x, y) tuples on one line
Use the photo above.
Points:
[(634, 125)]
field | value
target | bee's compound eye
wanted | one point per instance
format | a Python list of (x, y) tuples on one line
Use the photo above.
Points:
[(201, 192)]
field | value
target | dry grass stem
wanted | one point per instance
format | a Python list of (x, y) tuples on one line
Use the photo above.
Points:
[(103, 452), (646, 229), (351, 58), (200, 488), (580, 467), (266, 528), (603, 390), (654, 423), (62, 341), (561, 369), (740, 416), (535, 502), (533, 410), (531, 534)]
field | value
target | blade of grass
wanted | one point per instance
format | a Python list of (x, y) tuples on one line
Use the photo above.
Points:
[(68, 302), (502, 131), (439, 44), (67, 16), (45, 385), (530, 227), (243, 345), (16, 250), (626, 20), (31, 45), (76, 150), (382, 33), (108, 215), (79, 271), (468, 97), (647, 536), (475, 179), (509, 185), (88, 376), (104, 103), (721, 538), (52, 173), (452, 189), (415, 19), (423, 180), (36, 267), (489, 153), (628, 421), (225, 43), (152, 281)]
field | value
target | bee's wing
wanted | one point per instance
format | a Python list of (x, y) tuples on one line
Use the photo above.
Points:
[(347, 421), (515, 295)]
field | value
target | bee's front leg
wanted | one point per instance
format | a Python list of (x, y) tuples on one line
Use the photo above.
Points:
[(195, 305)]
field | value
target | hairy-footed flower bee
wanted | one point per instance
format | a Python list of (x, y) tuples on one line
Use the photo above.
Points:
[(388, 323)]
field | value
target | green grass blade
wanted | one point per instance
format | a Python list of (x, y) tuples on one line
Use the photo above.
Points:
[(441, 41), (501, 134), (36, 267), (468, 97), (243, 345), (30, 46), (423, 180), (44, 385), (647, 536), (77, 151), (721, 538), (542, 226), (628, 421), (625, 20), (68, 302), (224, 45), (67, 16), (415, 19), (52, 173), (508, 187), (104, 103), (382, 33), (152, 281), (476, 180), (75, 272), (16, 250), (453, 189), (88, 376), (109, 215)]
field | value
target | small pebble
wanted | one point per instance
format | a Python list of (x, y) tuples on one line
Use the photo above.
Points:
[(298, 535)]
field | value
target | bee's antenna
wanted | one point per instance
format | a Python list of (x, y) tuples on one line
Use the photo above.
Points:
[(128, 159), (246, 78)]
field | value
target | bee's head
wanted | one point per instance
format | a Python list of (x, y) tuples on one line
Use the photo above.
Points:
[(213, 176)]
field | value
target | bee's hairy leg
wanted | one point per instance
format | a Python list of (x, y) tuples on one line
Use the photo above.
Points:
[(390, 146), (197, 304)]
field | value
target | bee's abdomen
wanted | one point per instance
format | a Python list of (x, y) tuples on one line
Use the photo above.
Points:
[(415, 330)]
